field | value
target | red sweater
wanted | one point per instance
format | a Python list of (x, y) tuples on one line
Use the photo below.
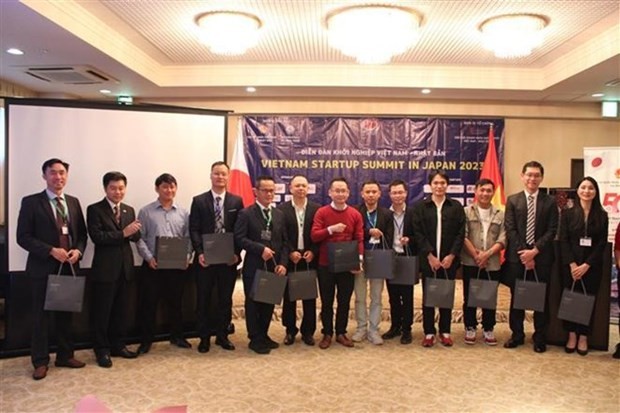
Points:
[(327, 216)]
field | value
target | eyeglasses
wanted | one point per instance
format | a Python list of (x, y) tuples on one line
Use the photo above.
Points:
[(533, 176), (267, 191)]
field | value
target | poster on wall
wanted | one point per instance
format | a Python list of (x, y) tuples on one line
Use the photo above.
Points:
[(366, 148), (603, 164)]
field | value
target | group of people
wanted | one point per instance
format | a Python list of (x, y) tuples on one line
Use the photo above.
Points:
[(297, 235)]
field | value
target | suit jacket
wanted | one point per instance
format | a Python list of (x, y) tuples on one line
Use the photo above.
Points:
[(202, 217), (412, 248), (384, 223), (292, 229), (113, 255), (546, 225), (250, 223), (37, 232)]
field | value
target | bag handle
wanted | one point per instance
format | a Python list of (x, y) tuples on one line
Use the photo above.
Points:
[(535, 274), (583, 286), (485, 270), (275, 264), (444, 271), (307, 266), (70, 265)]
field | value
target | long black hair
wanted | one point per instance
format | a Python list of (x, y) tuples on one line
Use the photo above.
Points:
[(597, 212)]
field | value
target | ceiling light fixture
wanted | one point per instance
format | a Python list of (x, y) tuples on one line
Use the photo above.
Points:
[(373, 34), (105, 91), (513, 35), (425, 91), (15, 51), (598, 95), (229, 32), (250, 89)]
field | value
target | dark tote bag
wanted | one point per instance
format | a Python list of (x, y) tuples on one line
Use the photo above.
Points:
[(379, 263), (64, 292), (529, 295), (302, 284), (482, 293), (576, 307), (406, 269), (439, 292), (343, 256), (268, 287)]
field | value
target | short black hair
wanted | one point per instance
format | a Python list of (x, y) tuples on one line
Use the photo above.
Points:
[(484, 181), (338, 179), (397, 182), (218, 163), (113, 176), (438, 172), (53, 161), (165, 178), (262, 178), (533, 164), (370, 182)]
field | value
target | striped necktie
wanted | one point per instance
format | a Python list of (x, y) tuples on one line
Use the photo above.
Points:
[(219, 219), (531, 218)]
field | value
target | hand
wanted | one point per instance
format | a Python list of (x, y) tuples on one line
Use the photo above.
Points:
[(74, 256), (153, 263), (59, 254), (530, 265), (482, 259), (360, 271), (280, 270), (337, 228), (447, 261), (131, 229), (579, 271), (295, 256), (527, 255), (235, 259), (434, 262), (404, 241), (268, 254), (308, 256), (202, 261), (375, 233)]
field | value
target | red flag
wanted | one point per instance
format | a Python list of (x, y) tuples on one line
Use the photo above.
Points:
[(490, 170), (240, 182)]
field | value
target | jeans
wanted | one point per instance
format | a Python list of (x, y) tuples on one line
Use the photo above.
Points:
[(362, 316)]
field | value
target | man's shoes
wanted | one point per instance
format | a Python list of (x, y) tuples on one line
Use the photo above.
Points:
[(144, 347), (180, 342), (225, 343), (391, 333), (406, 338), (540, 347), (271, 343), (358, 336), (375, 338), (617, 353), (259, 347), (104, 360), (39, 373), (446, 340), (289, 339), (512, 343), (308, 340), (124, 353), (429, 340), (489, 338), (71, 363), (470, 336), (204, 345), (325, 342), (344, 340)]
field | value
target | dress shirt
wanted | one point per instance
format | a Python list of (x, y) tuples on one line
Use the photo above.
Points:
[(438, 246), (300, 213), (52, 198), (158, 222), (399, 223), (223, 197)]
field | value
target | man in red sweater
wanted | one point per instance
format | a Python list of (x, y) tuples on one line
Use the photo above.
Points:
[(336, 222)]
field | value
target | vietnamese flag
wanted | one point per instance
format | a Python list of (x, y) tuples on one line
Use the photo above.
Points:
[(490, 170), (240, 183)]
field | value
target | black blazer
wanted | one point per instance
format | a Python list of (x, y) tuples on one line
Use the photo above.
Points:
[(408, 231), (573, 229), (37, 232), (384, 223), (113, 254), (546, 226), (250, 223), (292, 228), (202, 217)]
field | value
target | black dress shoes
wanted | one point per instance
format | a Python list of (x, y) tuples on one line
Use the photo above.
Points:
[(616, 355), (124, 353), (71, 363), (289, 339), (225, 343), (145, 347), (104, 360), (180, 342), (540, 347), (259, 347), (271, 343), (308, 340), (205, 344), (391, 333), (406, 338), (512, 343)]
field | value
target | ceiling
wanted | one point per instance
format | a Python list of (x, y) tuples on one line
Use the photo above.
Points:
[(150, 49)]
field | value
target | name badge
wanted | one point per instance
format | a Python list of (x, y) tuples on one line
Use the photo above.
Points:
[(585, 242), (374, 240), (65, 230), (265, 235)]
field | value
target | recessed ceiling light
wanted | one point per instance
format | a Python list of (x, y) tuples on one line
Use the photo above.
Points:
[(105, 91), (14, 51), (250, 89), (598, 95), (426, 91)]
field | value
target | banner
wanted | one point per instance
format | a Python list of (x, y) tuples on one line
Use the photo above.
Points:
[(364, 148)]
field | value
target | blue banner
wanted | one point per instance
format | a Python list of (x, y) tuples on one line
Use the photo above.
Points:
[(360, 149)]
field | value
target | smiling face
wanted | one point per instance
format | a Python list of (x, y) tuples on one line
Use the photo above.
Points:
[(398, 195), (532, 178), (339, 192), (439, 185), (56, 177), (115, 191), (586, 191), (265, 192), (484, 194), (166, 191)]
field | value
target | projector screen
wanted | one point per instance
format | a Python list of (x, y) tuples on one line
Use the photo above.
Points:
[(141, 142)]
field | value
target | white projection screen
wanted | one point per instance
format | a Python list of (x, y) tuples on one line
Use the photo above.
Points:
[(141, 142)]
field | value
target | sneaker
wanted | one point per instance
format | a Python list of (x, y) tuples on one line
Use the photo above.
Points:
[(489, 338), (445, 340), (429, 340), (359, 336), (375, 338), (470, 336)]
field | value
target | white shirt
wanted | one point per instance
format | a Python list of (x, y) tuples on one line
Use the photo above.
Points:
[(438, 246), (300, 213)]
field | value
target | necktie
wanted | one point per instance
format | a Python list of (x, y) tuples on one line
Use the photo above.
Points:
[(117, 214), (61, 221), (267, 217), (531, 218), (219, 219)]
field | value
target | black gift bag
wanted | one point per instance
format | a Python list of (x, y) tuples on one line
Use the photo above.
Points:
[(529, 295), (576, 307), (482, 293), (439, 292), (64, 292)]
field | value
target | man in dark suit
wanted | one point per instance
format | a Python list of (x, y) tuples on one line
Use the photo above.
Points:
[(214, 211), (111, 225), (260, 231), (51, 228), (530, 247), (298, 216)]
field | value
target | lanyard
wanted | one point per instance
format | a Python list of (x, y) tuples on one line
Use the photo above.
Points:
[(399, 226), (372, 219), (267, 218)]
